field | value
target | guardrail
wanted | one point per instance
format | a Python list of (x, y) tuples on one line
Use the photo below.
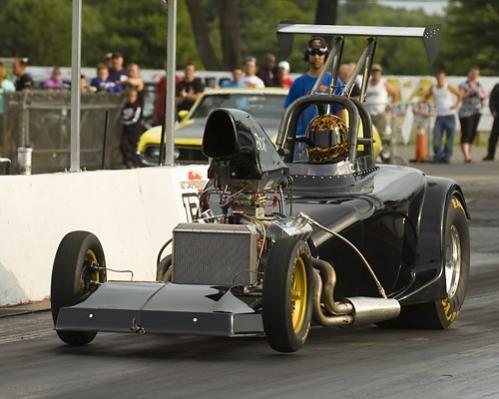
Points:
[(131, 211)]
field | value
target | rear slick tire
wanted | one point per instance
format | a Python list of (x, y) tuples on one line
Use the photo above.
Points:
[(440, 314), (287, 295), (73, 280)]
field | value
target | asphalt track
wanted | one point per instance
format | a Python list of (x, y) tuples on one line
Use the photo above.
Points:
[(462, 362)]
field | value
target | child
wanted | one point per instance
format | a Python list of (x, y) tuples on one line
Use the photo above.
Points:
[(132, 128), (102, 82)]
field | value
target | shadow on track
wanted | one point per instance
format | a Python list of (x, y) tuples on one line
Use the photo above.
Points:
[(336, 341)]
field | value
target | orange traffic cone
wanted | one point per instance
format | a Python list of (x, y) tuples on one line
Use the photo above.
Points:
[(421, 152)]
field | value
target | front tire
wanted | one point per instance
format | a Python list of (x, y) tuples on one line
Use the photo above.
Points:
[(74, 277), (163, 272), (287, 295)]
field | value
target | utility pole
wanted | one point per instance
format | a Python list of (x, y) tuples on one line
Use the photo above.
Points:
[(170, 81), (75, 86)]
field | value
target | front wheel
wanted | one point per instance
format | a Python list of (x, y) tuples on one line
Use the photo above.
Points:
[(79, 267), (287, 295)]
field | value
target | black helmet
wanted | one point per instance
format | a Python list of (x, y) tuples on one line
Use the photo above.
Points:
[(316, 44)]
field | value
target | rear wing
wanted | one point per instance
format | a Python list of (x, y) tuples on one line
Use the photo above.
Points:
[(430, 34), (285, 34)]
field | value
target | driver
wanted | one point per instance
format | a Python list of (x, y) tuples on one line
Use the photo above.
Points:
[(326, 138), (315, 55)]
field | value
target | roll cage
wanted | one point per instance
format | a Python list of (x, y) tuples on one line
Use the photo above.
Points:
[(357, 114), (286, 139)]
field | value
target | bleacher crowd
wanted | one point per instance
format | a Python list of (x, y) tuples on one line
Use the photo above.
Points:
[(113, 77)]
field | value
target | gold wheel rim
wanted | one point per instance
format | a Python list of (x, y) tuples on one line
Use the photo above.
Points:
[(91, 257), (298, 294)]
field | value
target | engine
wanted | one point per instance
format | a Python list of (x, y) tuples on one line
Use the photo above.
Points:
[(246, 212)]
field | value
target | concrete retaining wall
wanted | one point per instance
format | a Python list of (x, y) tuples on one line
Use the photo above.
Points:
[(132, 212)]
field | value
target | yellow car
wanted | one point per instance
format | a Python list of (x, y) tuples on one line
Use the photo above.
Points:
[(265, 105)]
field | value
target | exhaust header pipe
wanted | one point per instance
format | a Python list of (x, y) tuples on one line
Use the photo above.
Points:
[(355, 311)]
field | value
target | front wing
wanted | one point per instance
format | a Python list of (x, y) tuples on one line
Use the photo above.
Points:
[(162, 308)]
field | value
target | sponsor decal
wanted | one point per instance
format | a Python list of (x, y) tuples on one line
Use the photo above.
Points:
[(191, 184), (449, 313), (194, 182), (191, 206), (192, 175)]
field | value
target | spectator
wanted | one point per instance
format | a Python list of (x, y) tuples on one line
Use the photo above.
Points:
[(55, 81), (24, 79), (109, 60), (344, 72), (268, 70), (237, 79), (117, 73), (472, 95), (315, 55), (160, 102), (133, 77), (103, 81), (189, 89), (281, 77), (135, 81), (378, 91), (132, 128), (494, 134), (6, 86), (84, 86), (445, 107), (251, 80)]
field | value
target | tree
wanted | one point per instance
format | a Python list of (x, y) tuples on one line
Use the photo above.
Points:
[(397, 55), (259, 19), (230, 33), (135, 28), (32, 29), (217, 33), (471, 35), (201, 35), (203, 14), (326, 12)]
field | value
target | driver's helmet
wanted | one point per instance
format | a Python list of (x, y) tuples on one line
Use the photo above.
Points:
[(326, 139)]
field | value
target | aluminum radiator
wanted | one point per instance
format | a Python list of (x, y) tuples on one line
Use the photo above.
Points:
[(214, 254)]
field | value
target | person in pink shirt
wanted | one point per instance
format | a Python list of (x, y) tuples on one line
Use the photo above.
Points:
[(55, 81)]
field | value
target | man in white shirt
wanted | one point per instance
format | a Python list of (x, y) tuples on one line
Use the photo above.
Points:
[(251, 80), (380, 95), (446, 99)]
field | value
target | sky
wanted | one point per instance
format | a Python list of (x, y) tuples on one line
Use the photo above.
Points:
[(430, 6)]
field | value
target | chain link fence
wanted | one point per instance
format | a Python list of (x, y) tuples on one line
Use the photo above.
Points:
[(42, 120)]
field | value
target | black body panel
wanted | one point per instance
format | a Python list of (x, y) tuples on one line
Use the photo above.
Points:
[(151, 307), (397, 224)]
